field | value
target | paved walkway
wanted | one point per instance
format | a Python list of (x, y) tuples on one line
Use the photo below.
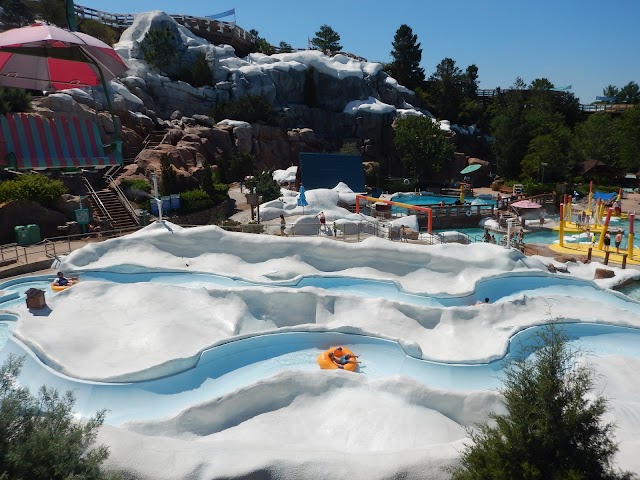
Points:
[(37, 258)]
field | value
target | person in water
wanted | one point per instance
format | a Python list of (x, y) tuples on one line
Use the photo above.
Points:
[(340, 358), (62, 281)]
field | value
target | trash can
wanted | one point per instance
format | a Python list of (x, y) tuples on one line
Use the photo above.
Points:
[(153, 207), (35, 298), (175, 201), (166, 203), (22, 236), (144, 218), (33, 232)]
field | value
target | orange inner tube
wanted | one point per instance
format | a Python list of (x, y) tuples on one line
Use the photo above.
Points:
[(326, 363)]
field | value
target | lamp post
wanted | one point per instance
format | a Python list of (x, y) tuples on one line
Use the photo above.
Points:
[(542, 165), (155, 192)]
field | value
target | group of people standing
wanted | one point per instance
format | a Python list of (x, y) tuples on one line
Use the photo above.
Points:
[(617, 240)]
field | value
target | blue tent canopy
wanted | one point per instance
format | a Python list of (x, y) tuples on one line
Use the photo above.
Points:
[(607, 197)]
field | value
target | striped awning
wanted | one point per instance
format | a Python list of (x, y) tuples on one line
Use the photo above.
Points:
[(32, 142)]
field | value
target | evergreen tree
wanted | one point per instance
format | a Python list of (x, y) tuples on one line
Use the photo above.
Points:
[(406, 54), (15, 13), (169, 177), (285, 47), (160, 49), (326, 40), (39, 436), (553, 427), (263, 45), (630, 93)]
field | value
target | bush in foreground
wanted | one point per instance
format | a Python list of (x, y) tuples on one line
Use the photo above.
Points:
[(553, 428), (39, 437)]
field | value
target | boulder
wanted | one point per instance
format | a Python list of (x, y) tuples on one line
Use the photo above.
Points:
[(25, 212), (243, 138), (601, 273), (565, 259)]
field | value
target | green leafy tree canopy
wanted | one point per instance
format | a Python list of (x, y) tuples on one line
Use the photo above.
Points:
[(327, 40), (422, 145), (553, 427)]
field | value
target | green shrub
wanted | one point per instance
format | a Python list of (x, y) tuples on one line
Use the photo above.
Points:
[(237, 166), (160, 48), (265, 186), (136, 189), (169, 177), (250, 108), (99, 30), (14, 100), (34, 187), (199, 74), (194, 200)]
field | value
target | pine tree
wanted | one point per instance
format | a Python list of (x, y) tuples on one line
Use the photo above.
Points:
[(406, 55), (15, 13), (327, 40), (40, 436), (285, 47), (551, 429)]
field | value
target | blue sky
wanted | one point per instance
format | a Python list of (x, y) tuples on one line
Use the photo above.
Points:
[(587, 44)]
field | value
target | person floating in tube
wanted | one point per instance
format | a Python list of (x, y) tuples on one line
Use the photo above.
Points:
[(340, 359)]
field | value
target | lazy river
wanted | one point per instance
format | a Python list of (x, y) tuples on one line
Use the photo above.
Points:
[(222, 369)]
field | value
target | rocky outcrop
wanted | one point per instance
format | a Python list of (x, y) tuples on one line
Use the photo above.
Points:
[(601, 273), (24, 212)]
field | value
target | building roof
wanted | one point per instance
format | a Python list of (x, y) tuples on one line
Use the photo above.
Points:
[(326, 170)]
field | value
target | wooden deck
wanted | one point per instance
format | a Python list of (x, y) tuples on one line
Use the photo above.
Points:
[(215, 31)]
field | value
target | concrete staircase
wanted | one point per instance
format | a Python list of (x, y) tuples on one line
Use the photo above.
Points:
[(105, 204), (155, 139), (107, 207)]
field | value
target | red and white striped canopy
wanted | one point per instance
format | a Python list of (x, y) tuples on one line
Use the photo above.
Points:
[(46, 57)]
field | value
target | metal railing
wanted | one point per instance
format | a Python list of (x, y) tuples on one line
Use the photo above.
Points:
[(96, 198), (122, 197)]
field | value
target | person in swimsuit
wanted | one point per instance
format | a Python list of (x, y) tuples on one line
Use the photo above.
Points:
[(340, 358), (283, 225), (618, 240), (607, 241)]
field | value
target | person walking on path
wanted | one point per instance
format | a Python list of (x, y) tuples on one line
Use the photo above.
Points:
[(323, 221), (283, 225), (403, 234)]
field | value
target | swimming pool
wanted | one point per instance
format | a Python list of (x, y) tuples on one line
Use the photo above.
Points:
[(425, 199)]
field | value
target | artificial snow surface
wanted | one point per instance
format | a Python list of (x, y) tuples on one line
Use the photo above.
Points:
[(285, 423)]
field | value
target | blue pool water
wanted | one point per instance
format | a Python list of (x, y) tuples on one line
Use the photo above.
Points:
[(434, 200), (224, 368)]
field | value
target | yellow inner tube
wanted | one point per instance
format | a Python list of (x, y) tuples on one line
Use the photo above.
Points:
[(59, 288), (326, 363)]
